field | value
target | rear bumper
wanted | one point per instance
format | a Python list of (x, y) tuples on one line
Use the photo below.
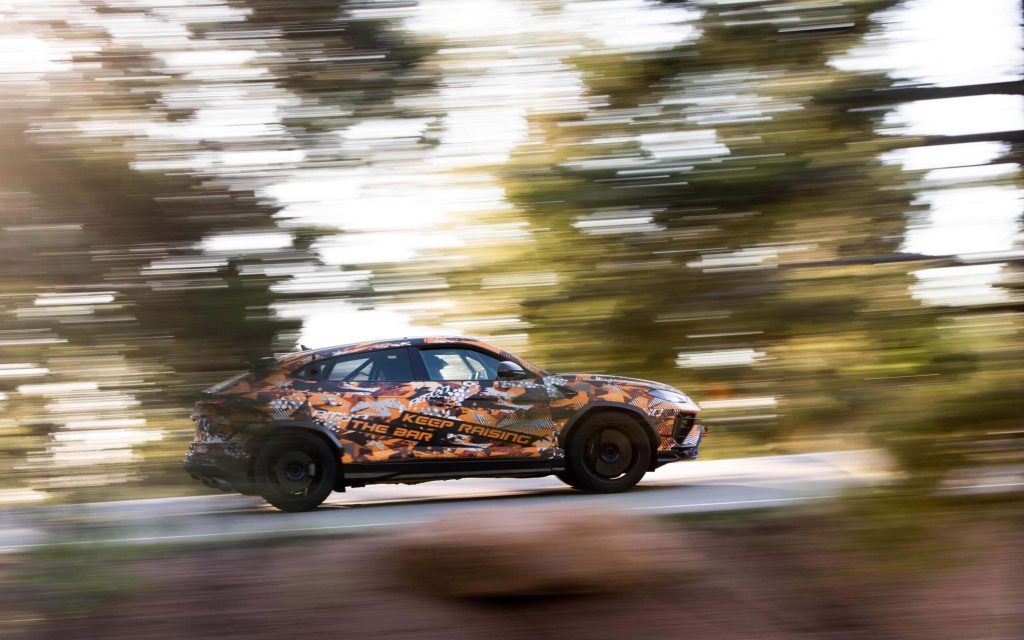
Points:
[(219, 472)]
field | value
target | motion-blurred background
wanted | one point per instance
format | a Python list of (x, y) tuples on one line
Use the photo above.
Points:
[(804, 213)]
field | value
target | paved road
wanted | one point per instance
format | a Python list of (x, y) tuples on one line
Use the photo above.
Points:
[(744, 483)]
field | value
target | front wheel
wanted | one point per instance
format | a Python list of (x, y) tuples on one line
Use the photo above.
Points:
[(607, 454), (296, 472), (568, 478)]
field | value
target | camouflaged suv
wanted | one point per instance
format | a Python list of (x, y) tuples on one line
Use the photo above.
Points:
[(297, 427)]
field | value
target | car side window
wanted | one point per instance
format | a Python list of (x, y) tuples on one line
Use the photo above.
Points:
[(311, 371), (351, 366), (388, 365), (459, 364)]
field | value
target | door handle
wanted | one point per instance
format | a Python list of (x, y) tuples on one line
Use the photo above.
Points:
[(354, 390)]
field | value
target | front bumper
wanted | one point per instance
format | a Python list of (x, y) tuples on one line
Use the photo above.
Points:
[(687, 436), (689, 448)]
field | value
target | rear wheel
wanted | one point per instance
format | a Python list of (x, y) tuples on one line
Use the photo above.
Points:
[(607, 454), (296, 472)]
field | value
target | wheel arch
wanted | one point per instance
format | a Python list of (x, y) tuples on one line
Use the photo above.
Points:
[(264, 433), (604, 407)]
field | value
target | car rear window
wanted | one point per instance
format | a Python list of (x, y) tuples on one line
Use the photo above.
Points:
[(311, 371)]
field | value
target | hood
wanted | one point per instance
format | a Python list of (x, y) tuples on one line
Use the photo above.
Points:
[(597, 379), (623, 380)]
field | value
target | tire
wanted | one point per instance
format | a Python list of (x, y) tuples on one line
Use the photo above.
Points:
[(607, 454), (566, 476), (296, 472)]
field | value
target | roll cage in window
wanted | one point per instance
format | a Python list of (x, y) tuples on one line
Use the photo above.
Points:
[(383, 365)]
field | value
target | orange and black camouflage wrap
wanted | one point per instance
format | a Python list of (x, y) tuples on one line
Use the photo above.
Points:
[(390, 421)]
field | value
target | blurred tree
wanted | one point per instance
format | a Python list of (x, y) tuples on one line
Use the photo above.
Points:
[(342, 61), (139, 261), (713, 214), (724, 211)]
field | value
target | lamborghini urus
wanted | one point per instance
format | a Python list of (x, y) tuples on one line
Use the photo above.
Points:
[(296, 428)]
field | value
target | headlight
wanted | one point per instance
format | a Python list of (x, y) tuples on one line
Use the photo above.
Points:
[(670, 396)]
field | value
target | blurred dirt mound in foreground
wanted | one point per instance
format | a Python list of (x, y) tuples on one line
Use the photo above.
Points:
[(766, 576), (498, 553)]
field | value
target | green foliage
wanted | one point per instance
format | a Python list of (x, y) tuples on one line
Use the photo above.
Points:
[(120, 209), (724, 196), (67, 581), (728, 195)]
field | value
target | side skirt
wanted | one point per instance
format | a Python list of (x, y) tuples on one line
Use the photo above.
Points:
[(368, 473)]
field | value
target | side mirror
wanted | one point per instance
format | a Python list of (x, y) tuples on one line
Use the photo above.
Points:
[(509, 370)]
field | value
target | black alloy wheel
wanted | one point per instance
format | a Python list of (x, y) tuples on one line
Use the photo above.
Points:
[(607, 454), (296, 472)]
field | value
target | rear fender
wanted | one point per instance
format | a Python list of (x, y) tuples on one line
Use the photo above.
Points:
[(263, 433)]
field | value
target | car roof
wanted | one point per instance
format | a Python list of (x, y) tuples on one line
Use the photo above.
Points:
[(376, 345), (302, 357), (393, 343)]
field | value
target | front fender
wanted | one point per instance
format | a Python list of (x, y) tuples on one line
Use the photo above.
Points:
[(602, 405)]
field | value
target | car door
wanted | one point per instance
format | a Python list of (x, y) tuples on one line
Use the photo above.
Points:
[(362, 398), (472, 413)]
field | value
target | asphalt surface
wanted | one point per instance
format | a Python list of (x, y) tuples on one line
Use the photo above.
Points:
[(685, 487)]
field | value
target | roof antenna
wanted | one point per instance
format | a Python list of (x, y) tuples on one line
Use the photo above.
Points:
[(303, 347)]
